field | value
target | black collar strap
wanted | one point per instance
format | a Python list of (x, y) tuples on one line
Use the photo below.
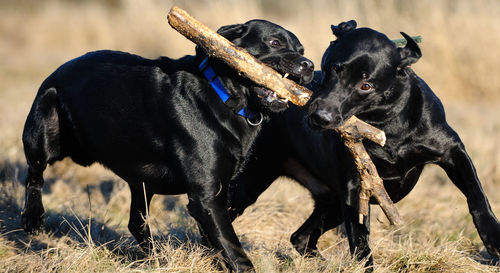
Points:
[(253, 118)]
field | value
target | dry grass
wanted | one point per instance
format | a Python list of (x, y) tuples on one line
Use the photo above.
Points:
[(461, 57)]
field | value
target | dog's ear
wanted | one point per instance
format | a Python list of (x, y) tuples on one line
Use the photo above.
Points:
[(343, 28), (232, 32), (410, 53)]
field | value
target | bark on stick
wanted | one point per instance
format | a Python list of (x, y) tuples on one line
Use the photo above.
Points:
[(236, 57), (353, 131)]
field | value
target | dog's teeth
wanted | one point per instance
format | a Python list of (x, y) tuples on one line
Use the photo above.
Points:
[(286, 75)]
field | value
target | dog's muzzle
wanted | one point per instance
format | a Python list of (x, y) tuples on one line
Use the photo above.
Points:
[(321, 117)]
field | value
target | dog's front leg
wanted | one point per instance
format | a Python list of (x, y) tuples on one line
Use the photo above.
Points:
[(207, 204), (461, 171), (325, 216), (357, 234)]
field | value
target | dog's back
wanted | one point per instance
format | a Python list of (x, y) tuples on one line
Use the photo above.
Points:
[(164, 126), (99, 107)]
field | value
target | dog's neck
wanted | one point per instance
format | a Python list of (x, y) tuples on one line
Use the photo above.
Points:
[(253, 118)]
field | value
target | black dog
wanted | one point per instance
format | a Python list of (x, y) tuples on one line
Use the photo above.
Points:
[(165, 126), (363, 74)]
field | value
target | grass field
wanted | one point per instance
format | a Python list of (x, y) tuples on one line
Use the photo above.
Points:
[(87, 208)]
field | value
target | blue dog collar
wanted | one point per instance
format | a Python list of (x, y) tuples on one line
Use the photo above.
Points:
[(219, 88)]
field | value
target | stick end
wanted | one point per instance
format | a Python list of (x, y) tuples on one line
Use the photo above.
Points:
[(171, 13), (397, 221), (174, 9), (175, 12)]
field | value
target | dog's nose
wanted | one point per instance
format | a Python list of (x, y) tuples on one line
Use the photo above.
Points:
[(306, 65), (321, 118)]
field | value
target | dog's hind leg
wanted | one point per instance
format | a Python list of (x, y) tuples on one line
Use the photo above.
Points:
[(245, 190), (137, 225), (324, 217), (462, 173), (208, 206), (33, 213), (41, 139)]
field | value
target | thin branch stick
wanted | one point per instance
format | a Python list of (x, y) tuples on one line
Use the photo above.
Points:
[(147, 220), (91, 242), (237, 57), (353, 131)]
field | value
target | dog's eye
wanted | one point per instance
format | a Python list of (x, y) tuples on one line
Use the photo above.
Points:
[(365, 87), (275, 43)]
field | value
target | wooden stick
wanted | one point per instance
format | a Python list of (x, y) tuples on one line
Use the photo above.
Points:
[(237, 57), (353, 131)]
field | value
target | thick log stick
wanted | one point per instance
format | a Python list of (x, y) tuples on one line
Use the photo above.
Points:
[(353, 131), (237, 57), (240, 59)]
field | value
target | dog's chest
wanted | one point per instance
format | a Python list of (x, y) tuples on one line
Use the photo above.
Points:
[(389, 161), (245, 146), (399, 168)]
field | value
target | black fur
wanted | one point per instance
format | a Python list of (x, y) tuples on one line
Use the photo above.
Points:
[(397, 101), (159, 125)]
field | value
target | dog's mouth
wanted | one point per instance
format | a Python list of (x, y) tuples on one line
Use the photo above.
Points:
[(268, 96), (269, 101)]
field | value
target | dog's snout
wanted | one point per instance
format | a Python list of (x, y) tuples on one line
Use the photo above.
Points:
[(306, 65), (321, 118), (305, 70)]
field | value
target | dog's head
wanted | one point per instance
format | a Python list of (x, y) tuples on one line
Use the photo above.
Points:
[(276, 47), (362, 69)]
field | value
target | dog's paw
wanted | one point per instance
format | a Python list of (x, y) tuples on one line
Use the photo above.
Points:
[(33, 219), (494, 249), (304, 247), (490, 234)]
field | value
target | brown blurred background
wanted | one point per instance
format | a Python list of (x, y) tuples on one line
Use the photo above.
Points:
[(461, 44), (461, 38)]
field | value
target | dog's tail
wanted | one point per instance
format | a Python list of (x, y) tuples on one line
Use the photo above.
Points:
[(41, 135)]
